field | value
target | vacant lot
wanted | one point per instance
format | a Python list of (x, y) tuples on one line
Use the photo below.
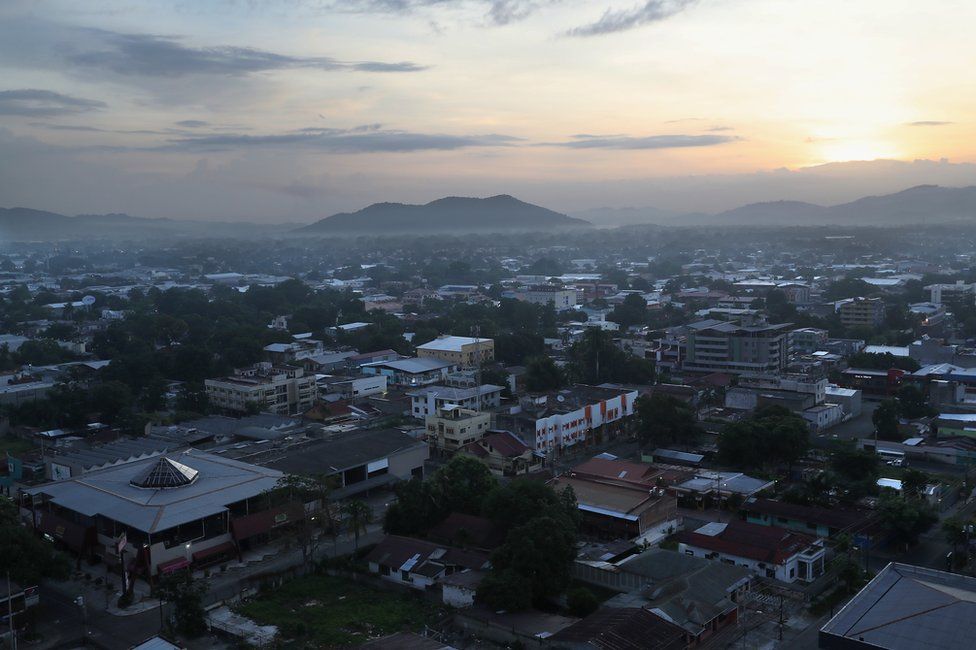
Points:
[(323, 611)]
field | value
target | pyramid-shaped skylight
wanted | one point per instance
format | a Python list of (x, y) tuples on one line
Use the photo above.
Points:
[(165, 473)]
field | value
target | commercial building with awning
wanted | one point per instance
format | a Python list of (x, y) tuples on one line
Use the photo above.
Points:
[(174, 510)]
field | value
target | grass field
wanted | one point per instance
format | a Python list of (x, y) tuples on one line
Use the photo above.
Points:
[(14, 445), (324, 611)]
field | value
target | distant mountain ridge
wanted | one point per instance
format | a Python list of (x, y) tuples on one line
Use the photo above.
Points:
[(923, 204), (451, 214), (26, 224), (928, 204)]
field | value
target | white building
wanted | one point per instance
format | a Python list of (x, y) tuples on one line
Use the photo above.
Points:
[(768, 551), (283, 390)]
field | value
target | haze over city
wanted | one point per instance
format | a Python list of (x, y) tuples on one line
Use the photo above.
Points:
[(291, 111)]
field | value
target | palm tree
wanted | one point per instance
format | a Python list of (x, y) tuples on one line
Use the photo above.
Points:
[(359, 514)]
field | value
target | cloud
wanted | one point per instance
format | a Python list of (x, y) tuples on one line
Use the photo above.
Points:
[(44, 103), (192, 124), (619, 20), (928, 123), (365, 139), (645, 142), (149, 55), (497, 12)]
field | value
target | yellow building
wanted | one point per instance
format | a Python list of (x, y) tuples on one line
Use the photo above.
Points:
[(452, 427), (465, 351)]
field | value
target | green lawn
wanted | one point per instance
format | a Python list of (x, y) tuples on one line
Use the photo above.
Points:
[(323, 611)]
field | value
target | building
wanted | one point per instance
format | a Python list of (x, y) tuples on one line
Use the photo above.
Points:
[(621, 499), (699, 596), (872, 383), (412, 372), (849, 399), (420, 564), (453, 427), (768, 551), (562, 299), (813, 520), (952, 295), (621, 628), (579, 415), (808, 340), (864, 312), (718, 487), (174, 511), (720, 346), (428, 400), (350, 387), (463, 351), (503, 453), (283, 390), (355, 462), (906, 607)]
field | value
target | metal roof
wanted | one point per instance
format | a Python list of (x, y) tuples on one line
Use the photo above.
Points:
[(109, 493), (910, 607)]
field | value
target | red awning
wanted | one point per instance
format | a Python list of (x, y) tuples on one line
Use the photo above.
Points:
[(169, 566), (214, 551)]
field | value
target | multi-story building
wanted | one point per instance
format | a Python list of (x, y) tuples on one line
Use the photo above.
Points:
[(452, 427), (335, 387), (412, 371), (719, 346), (283, 390), (952, 295), (427, 400), (580, 415), (464, 351), (808, 340), (547, 294), (868, 312)]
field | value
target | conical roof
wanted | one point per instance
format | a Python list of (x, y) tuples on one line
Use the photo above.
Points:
[(165, 473)]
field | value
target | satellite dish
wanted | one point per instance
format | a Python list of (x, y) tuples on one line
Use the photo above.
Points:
[(560, 398), (88, 300)]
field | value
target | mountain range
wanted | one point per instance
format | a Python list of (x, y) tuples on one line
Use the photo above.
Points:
[(924, 204), (452, 214)]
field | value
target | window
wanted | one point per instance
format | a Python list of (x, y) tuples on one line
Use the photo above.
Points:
[(405, 576)]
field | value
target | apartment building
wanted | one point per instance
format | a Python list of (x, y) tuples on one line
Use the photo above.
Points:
[(452, 427), (952, 295), (719, 346), (560, 298), (464, 351), (808, 340), (868, 312), (428, 400), (282, 390), (579, 415)]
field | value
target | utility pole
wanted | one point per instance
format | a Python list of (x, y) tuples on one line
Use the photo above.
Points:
[(781, 617), (10, 615)]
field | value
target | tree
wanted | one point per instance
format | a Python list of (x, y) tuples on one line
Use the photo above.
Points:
[(542, 374), (885, 419), (772, 435), (309, 528), (913, 483), (904, 521), (664, 420), (581, 602), (359, 514), (518, 501), (25, 557), (855, 471), (186, 594), (912, 402), (955, 532), (537, 556), (461, 486), (632, 311), (414, 510)]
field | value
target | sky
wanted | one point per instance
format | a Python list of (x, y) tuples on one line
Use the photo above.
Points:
[(291, 110)]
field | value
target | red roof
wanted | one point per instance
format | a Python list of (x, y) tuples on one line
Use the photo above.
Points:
[(505, 444), (625, 472), (753, 541)]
